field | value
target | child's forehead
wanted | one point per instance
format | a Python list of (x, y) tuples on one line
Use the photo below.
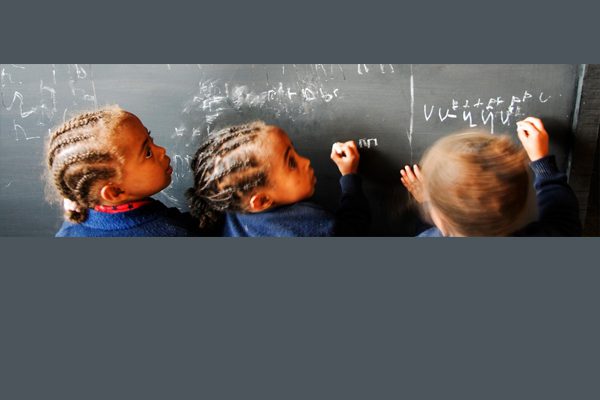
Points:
[(276, 135), (130, 134), (131, 121), (273, 145), (132, 125)]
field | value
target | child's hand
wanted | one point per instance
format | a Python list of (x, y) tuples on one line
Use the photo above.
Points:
[(534, 137), (413, 181), (346, 157), (69, 205)]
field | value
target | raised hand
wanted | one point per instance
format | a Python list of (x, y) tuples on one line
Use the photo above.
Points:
[(534, 137), (346, 157)]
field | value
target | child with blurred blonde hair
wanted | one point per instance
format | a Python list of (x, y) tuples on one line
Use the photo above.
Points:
[(478, 184)]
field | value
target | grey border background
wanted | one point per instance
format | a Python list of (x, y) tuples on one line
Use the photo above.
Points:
[(303, 318)]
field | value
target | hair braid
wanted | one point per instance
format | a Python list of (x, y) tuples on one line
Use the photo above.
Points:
[(210, 156), (237, 165), (226, 134), (225, 170), (91, 156), (206, 215), (218, 147), (225, 149), (79, 154), (64, 142), (78, 122), (85, 183)]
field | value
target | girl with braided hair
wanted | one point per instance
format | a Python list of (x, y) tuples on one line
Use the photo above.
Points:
[(250, 178), (477, 184), (105, 163)]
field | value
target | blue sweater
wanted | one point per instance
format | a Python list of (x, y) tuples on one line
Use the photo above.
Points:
[(307, 219), (153, 219), (557, 205)]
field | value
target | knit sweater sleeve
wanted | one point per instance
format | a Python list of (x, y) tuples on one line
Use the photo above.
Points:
[(557, 205), (353, 216)]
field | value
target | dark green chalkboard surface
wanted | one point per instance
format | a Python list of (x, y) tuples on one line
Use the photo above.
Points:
[(392, 111)]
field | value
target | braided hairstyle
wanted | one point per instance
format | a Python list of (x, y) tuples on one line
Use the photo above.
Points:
[(227, 169), (79, 156)]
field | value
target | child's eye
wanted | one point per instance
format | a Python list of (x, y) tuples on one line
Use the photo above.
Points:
[(292, 163), (148, 152)]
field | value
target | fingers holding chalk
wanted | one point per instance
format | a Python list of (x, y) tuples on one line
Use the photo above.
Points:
[(336, 151), (345, 156)]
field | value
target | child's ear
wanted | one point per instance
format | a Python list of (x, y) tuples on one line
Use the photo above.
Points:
[(260, 202), (111, 194)]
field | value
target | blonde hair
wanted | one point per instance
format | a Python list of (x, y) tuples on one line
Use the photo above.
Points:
[(478, 183)]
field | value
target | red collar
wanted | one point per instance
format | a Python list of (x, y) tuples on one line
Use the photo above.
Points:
[(122, 207)]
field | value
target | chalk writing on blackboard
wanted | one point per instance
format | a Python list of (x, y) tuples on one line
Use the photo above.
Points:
[(40, 107), (383, 68), (367, 143), (488, 112), (19, 131), (213, 98), (17, 96)]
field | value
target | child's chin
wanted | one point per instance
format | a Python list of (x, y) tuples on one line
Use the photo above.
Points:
[(167, 183), (310, 194)]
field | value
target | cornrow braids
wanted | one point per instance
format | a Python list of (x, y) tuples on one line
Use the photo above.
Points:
[(60, 143), (60, 172), (79, 156), (226, 170), (78, 122), (217, 140)]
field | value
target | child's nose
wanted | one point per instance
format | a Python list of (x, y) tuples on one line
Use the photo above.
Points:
[(161, 150), (306, 162)]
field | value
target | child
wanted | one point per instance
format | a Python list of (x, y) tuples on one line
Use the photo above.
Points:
[(477, 184), (106, 166), (252, 174)]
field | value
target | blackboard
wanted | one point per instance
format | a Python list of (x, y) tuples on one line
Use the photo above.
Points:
[(392, 111)]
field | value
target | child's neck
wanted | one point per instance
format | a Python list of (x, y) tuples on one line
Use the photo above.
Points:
[(113, 208)]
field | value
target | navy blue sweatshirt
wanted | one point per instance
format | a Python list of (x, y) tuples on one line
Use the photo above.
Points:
[(307, 219), (557, 205), (153, 219)]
